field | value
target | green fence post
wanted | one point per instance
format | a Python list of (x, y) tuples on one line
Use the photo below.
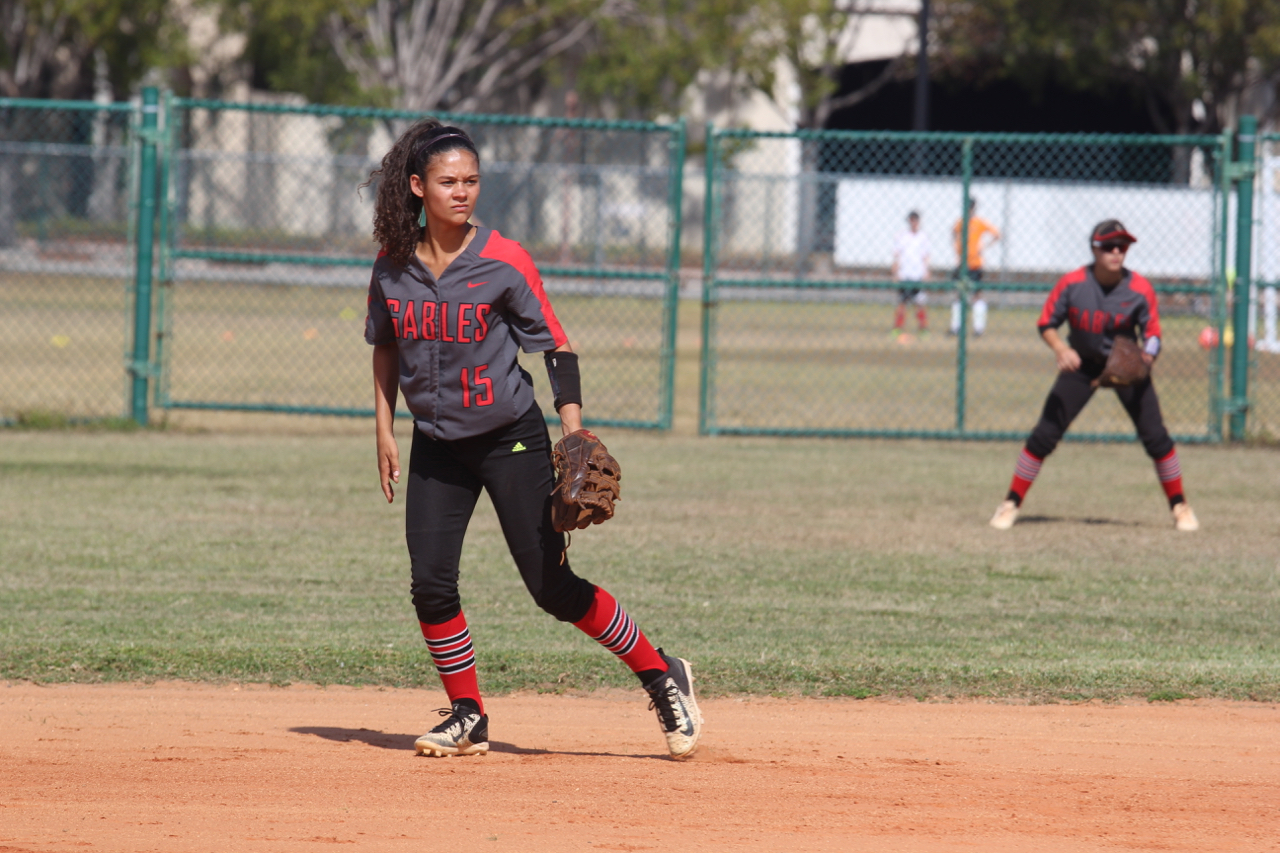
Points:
[(1240, 293), (706, 374), (672, 309), (140, 366), (962, 334)]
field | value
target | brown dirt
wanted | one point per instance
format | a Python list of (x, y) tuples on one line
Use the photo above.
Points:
[(190, 767)]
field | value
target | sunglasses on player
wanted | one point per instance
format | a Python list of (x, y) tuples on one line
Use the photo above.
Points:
[(1108, 248)]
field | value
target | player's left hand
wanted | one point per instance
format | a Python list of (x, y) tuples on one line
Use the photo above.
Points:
[(587, 482)]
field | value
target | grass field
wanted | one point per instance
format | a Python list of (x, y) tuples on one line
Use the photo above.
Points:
[(256, 547), (63, 342), (833, 365), (778, 365), (823, 567)]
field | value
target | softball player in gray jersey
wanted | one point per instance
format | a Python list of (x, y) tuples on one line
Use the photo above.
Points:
[(1099, 303), (450, 306)]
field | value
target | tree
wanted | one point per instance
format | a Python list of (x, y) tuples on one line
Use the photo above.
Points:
[(75, 49), (1190, 59), (641, 59), (69, 48), (816, 37), (458, 55), (288, 49)]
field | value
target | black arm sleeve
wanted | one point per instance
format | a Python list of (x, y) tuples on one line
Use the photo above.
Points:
[(566, 382)]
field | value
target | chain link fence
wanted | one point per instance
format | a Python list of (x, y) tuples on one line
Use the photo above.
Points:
[(799, 329), (269, 250), (264, 256), (67, 184)]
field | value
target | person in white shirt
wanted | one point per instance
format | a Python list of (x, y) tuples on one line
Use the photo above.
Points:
[(911, 264)]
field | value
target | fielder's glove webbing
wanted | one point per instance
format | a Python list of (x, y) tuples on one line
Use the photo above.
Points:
[(587, 482), (1125, 365)]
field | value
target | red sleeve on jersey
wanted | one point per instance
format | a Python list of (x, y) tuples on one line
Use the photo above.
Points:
[(499, 248), (1055, 310), (1151, 322)]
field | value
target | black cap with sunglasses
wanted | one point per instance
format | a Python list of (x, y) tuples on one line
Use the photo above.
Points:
[(1110, 232)]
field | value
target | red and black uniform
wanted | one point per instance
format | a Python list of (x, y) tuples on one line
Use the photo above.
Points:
[(1096, 316), (477, 426), (459, 337)]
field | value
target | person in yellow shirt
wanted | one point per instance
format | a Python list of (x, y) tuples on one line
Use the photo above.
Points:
[(982, 236)]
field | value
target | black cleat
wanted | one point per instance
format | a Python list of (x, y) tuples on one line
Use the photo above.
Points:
[(671, 695)]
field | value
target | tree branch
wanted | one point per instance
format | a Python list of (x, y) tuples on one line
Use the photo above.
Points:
[(537, 58), (890, 73)]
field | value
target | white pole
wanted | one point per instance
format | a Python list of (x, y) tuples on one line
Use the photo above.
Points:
[(1269, 343)]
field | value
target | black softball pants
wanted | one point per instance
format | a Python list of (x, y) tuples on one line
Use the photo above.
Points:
[(513, 464), (1073, 390)]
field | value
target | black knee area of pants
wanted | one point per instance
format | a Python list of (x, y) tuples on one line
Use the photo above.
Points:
[(567, 597), (1040, 446), (434, 612), (1158, 448)]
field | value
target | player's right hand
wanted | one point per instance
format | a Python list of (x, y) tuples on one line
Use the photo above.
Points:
[(388, 466), (1068, 359)]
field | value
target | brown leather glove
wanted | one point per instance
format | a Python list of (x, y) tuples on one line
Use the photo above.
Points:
[(1125, 365), (587, 482)]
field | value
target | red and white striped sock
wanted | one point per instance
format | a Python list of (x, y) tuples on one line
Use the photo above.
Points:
[(455, 659), (1024, 474), (1169, 470), (610, 626)]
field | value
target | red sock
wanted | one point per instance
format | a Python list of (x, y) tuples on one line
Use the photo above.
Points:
[(610, 626), (450, 647), (1024, 474), (899, 316), (1169, 470), (921, 319)]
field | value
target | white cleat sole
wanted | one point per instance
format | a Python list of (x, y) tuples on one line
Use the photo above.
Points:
[(434, 751), (1184, 519), (686, 747), (1006, 515)]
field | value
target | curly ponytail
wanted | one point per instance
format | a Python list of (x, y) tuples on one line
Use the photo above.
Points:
[(396, 209)]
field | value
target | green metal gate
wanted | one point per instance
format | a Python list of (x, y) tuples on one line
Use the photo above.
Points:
[(68, 191), (799, 302), (267, 251)]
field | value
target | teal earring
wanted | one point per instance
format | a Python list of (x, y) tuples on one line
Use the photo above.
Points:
[(422, 217)]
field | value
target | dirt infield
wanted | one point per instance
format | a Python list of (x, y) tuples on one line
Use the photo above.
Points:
[(182, 767)]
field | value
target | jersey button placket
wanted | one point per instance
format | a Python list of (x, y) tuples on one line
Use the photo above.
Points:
[(431, 291)]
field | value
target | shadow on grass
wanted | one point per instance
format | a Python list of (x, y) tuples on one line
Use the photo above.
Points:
[(385, 740), (1062, 519)]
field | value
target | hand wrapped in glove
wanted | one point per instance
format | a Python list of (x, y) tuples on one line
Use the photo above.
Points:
[(1126, 365), (587, 482)]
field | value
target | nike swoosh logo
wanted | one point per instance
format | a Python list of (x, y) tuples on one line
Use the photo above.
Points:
[(476, 283)]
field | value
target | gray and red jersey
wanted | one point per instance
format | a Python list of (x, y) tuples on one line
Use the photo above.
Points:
[(1097, 315), (459, 336)]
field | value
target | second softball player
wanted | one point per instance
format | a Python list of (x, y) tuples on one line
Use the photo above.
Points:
[(1099, 302)]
